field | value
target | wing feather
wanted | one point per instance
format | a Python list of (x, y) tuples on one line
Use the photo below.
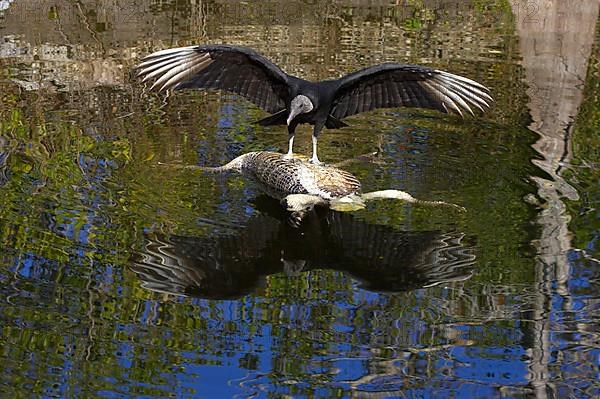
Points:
[(181, 71), (159, 69), (360, 96), (411, 95), (343, 105), (152, 65), (368, 97), (443, 97), (396, 98), (385, 96), (399, 85), (231, 68)]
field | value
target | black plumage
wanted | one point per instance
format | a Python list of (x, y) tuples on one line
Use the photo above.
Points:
[(292, 100)]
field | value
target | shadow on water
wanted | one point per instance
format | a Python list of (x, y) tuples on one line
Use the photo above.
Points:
[(231, 265)]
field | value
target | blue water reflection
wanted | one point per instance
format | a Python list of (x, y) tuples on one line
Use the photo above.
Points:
[(403, 344)]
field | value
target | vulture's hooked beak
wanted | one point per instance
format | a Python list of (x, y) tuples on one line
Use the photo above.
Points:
[(293, 113)]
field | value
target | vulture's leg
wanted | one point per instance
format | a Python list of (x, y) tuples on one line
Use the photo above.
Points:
[(291, 134), (315, 137)]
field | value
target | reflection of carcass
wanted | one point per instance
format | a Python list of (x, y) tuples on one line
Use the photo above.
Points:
[(232, 264)]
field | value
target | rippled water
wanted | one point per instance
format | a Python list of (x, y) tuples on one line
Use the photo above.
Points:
[(120, 277)]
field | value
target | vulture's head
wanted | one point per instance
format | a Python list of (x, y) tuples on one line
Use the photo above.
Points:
[(300, 105)]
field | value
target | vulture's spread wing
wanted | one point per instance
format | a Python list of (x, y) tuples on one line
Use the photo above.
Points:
[(397, 85), (236, 69)]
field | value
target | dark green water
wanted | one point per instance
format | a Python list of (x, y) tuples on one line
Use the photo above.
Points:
[(123, 278)]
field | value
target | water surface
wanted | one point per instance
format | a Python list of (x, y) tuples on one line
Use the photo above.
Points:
[(123, 278)]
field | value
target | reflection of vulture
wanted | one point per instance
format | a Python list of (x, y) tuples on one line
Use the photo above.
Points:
[(230, 265), (292, 100)]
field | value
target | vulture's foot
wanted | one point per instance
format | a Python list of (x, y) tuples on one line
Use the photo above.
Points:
[(315, 161)]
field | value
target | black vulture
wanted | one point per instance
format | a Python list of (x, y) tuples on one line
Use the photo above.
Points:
[(292, 100)]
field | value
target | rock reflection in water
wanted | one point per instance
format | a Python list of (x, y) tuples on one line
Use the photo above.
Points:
[(231, 265)]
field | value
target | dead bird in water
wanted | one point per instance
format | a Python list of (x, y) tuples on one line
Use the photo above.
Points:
[(301, 185)]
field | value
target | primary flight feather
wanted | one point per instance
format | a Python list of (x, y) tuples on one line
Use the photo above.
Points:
[(293, 100)]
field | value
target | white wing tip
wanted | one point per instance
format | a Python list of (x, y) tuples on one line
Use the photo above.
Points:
[(168, 51), (171, 66), (463, 91)]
